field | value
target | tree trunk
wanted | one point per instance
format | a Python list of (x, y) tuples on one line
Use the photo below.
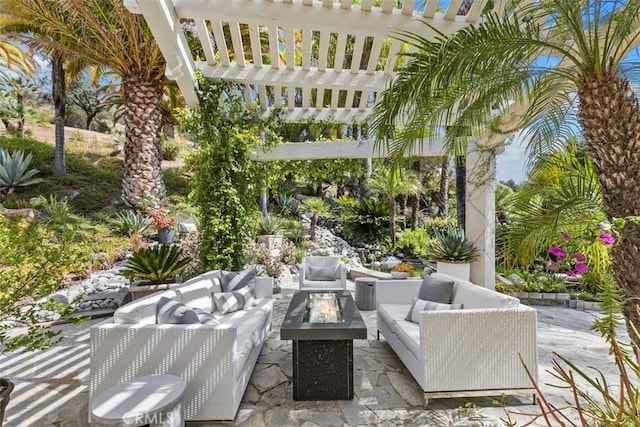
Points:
[(142, 186), (403, 206), (609, 117), (59, 93), (461, 188), (312, 227), (443, 193), (392, 221), (168, 124), (415, 199)]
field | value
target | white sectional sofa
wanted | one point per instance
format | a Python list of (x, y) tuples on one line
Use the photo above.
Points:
[(215, 361), (460, 352)]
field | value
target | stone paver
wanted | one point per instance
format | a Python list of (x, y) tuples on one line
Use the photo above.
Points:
[(52, 385)]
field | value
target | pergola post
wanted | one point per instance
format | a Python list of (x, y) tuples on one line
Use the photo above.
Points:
[(480, 224)]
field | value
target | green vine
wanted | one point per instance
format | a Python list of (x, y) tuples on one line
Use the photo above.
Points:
[(225, 181)]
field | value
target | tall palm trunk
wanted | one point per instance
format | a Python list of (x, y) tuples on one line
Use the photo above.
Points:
[(415, 199), (461, 188), (142, 184), (609, 116), (443, 191), (392, 221), (59, 92)]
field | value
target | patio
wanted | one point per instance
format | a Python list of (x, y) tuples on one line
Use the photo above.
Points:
[(52, 385)]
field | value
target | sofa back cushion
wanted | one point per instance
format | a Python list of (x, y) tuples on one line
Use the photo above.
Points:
[(436, 289), (142, 310), (196, 292), (475, 296), (233, 280)]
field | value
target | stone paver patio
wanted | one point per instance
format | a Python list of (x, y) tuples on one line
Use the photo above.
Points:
[(52, 385)]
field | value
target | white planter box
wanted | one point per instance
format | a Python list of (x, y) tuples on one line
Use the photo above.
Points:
[(459, 270)]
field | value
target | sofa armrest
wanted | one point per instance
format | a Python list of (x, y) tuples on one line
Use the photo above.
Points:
[(478, 348), (397, 291), (202, 355), (343, 275), (302, 267)]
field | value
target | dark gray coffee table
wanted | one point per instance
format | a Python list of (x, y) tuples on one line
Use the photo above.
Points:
[(322, 350)]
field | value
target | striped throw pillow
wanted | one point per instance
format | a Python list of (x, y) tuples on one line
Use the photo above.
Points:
[(228, 302), (420, 305)]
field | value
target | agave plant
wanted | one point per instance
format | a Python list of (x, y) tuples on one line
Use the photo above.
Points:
[(14, 170), (451, 245), (156, 264), (270, 224), (130, 222)]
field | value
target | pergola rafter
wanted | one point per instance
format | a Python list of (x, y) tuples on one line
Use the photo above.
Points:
[(312, 59)]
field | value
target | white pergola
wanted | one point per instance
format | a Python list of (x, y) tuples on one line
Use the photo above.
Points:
[(323, 60)]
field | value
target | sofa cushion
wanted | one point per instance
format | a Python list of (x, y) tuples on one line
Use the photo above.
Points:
[(420, 305), (251, 328), (409, 334), (174, 312), (322, 284), (475, 296), (322, 273), (232, 280), (436, 289), (227, 302), (392, 313)]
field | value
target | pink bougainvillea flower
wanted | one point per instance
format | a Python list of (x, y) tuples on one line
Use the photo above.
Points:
[(551, 265), (579, 256), (565, 236), (581, 268), (557, 251), (571, 274), (607, 239)]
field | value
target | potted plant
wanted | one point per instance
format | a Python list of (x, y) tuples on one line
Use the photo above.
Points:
[(453, 252), (165, 224), (401, 270), (155, 268), (269, 231)]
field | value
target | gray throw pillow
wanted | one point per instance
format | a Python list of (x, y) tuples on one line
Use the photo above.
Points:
[(436, 290), (419, 306), (228, 302), (322, 273), (205, 317), (169, 311), (232, 280)]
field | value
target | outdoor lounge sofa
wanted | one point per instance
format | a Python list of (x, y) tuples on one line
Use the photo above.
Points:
[(215, 360), (471, 351)]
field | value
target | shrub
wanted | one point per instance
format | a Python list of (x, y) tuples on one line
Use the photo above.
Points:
[(56, 212), (170, 149), (368, 220), (157, 264), (414, 242), (270, 224), (14, 170)]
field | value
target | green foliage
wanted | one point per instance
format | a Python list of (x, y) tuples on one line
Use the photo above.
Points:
[(414, 242), (270, 224), (56, 212), (130, 222), (15, 172), (315, 206), (287, 204), (224, 183), (170, 149), (452, 245), (368, 220), (294, 230), (439, 224), (157, 264), (34, 259)]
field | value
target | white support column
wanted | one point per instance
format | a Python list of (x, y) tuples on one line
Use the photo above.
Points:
[(480, 227)]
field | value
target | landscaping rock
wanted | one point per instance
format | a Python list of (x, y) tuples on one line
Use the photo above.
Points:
[(515, 279)]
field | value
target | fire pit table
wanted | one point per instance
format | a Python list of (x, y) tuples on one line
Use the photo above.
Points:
[(322, 326)]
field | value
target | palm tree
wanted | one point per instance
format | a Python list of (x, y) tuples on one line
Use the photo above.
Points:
[(105, 34), (392, 183), (316, 207), (536, 64)]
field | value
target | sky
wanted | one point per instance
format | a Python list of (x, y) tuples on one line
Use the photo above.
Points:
[(511, 163)]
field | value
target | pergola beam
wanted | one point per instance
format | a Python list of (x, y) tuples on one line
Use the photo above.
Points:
[(363, 149)]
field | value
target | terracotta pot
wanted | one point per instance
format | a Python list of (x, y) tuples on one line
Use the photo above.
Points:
[(6, 387), (271, 241), (166, 235)]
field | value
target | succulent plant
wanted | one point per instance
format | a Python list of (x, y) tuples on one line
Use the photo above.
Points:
[(157, 264), (451, 245), (130, 222), (15, 172), (270, 224)]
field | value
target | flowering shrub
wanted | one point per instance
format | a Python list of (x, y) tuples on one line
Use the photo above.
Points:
[(403, 267), (161, 219), (576, 264)]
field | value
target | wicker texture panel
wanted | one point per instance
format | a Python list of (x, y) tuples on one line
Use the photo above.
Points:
[(202, 355)]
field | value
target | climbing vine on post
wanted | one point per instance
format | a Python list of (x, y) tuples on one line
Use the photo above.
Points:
[(225, 181)]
